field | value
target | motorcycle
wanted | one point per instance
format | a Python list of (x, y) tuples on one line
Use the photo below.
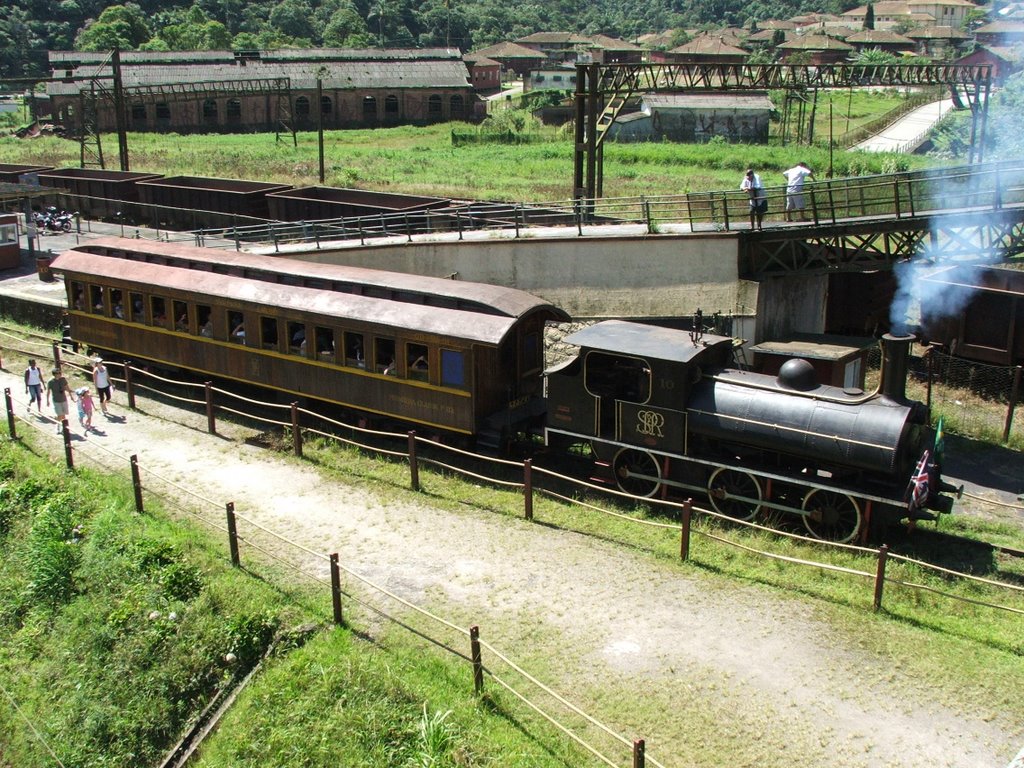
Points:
[(54, 220)]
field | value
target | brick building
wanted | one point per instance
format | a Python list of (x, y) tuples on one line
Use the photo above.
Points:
[(187, 91)]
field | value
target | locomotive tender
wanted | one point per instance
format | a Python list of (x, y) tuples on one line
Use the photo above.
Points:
[(661, 409)]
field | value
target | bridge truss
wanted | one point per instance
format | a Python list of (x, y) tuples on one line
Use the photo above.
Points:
[(602, 91), (989, 236)]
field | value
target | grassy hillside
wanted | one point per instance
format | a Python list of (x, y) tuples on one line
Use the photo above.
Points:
[(117, 628), (423, 160)]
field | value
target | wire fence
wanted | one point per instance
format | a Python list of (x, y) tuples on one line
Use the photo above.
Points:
[(245, 533), (974, 399)]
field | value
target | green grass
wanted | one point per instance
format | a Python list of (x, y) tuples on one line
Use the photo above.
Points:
[(415, 160), (115, 630)]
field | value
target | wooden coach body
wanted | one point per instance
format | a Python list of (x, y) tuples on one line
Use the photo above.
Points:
[(428, 351)]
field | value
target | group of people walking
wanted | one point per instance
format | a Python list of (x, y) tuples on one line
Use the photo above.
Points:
[(59, 393), (795, 178)]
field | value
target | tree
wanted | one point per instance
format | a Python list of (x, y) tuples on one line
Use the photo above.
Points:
[(295, 19), (869, 17), (346, 29), (195, 31), (119, 26)]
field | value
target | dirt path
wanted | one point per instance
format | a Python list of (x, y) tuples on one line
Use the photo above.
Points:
[(706, 665)]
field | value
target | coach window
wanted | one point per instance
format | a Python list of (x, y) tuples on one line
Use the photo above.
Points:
[(417, 366), (117, 303), (268, 332), (96, 303), (138, 308), (78, 294), (158, 306), (453, 368), (204, 318), (297, 338), (236, 327), (325, 343), (354, 355), (180, 314), (384, 360)]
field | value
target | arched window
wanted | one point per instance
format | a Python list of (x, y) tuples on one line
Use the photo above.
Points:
[(434, 107), (233, 111), (209, 112), (391, 106), (138, 114), (369, 109), (326, 105), (302, 108), (455, 107), (163, 113)]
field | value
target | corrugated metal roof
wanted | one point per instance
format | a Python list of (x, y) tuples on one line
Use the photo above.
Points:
[(707, 101), (390, 71), (509, 51)]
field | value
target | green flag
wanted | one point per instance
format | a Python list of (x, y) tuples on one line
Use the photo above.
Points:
[(940, 443)]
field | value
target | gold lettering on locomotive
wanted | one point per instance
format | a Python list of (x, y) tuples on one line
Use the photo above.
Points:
[(649, 423)]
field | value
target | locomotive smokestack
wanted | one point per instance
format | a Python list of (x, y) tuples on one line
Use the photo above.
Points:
[(895, 359)]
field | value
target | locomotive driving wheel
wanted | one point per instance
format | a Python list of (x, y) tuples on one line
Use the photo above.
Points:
[(831, 515), (725, 485), (628, 464)]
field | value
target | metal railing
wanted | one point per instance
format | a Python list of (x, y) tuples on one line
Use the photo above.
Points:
[(982, 187)]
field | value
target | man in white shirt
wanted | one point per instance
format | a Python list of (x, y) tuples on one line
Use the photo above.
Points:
[(795, 178)]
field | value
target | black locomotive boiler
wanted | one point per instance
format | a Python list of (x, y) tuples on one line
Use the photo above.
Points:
[(662, 409)]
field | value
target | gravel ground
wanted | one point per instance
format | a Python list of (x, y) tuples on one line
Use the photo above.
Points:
[(707, 666)]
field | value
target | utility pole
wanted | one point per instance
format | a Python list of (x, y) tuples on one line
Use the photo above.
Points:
[(119, 110)]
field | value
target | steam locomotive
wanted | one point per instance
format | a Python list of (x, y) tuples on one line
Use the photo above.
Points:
[(660, 410)]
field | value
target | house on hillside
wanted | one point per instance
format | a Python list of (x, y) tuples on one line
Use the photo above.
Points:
[(484, 73), (610, 50), (882, 40), (1001, 33), (821, 49), (187, 91), (938, 42), (512, 57), (1004, 61), (708, 49), (556, 47), (562, 78), (697, 117)]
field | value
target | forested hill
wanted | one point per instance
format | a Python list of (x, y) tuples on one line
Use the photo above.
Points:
[(30, 28)]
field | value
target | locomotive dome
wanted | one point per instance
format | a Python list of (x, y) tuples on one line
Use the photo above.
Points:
[(798, 374)]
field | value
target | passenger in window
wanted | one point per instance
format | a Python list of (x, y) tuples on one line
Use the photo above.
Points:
[(119, 311), (299, 336), (391, 369), (419, 364), (238, 334), (181, 324), (207, 329)]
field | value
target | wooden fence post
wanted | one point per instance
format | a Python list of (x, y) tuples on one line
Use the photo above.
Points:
[(1014, 394), (414, 467), (528, 488), (339, 620), (56, 355), (136, 483), (883, 554), (474, 654), (211, 418), (129, 385), (232, 534), (684, 530), (69, 455), (296, 432), (11, 428), (639, 760)]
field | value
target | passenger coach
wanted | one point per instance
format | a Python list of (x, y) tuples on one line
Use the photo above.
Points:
[(459, 357)]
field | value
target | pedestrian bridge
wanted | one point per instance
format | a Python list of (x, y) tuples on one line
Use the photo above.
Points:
[(857, 223)]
